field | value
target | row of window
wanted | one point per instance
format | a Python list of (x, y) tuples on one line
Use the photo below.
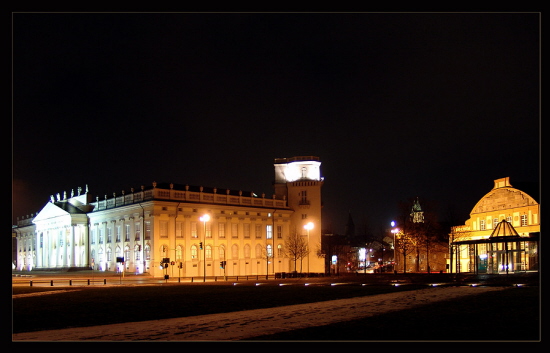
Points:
[(260, 252), (127, 232), (247, 230), (483, 224), (257, 230)]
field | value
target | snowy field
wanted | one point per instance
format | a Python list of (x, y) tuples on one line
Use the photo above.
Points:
[(247, 324)]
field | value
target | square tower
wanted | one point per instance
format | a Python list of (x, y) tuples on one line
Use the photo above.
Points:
[(298, 179)]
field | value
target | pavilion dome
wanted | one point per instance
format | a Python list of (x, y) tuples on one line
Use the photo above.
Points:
[(504, 229)]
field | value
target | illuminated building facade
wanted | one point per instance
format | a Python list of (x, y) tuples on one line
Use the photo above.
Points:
[(198, 231), (501, 236)]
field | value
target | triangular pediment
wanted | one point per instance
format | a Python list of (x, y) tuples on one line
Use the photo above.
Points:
[(50, 211)]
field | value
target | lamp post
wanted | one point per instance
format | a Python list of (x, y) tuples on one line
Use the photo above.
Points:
[(394, 231), (205, 218), (308, 227)]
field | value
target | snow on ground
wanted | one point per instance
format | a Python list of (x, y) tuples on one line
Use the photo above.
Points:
[(247, 324)]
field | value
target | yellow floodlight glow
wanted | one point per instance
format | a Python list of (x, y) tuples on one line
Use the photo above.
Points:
[(205, 218), (309, 226)]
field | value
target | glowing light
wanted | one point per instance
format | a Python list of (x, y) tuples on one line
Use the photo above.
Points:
[(297, 170), (309, 226), (392, 224), (205, 218), (362, 254)]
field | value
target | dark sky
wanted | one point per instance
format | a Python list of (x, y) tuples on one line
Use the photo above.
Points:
[(396, 105)]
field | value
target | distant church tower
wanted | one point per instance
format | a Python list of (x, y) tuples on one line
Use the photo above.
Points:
[(298, 179), (417, 215)]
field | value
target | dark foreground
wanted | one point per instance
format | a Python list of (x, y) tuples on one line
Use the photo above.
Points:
[(513, 314)]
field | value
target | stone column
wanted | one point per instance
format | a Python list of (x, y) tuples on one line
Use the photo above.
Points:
[(72, 249)]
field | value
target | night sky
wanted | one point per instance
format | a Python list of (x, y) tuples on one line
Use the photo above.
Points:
[(396, 105)]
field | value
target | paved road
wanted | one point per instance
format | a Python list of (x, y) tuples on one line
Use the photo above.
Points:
[(247, 324)]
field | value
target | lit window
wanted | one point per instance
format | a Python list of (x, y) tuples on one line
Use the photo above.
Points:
[(193, 229), (138, 231), (147, 230), (163, 229), (179, 252), (258, 231), (523, 220), (221, 230), (137, 252), (147, 252)]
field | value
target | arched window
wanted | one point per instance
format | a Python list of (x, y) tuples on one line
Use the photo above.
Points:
[(235, 251), (247, 251), (222, 252), (208, 253), (163, 250), (279, 250), (179, 253), (194, 252), (269, 251), (147, 252), (137, 253), (126, 253), (258, 251)]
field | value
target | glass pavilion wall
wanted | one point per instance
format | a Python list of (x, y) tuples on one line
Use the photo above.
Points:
[(495, 255)]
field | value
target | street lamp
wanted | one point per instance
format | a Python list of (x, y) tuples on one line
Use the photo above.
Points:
[(205, 218), (395, 231), (308, 227)]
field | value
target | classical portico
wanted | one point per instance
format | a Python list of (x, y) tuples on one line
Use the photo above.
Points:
[(61, 239)]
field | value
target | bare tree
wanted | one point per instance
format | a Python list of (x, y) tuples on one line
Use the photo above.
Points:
[(296, 247), (404, 243)]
